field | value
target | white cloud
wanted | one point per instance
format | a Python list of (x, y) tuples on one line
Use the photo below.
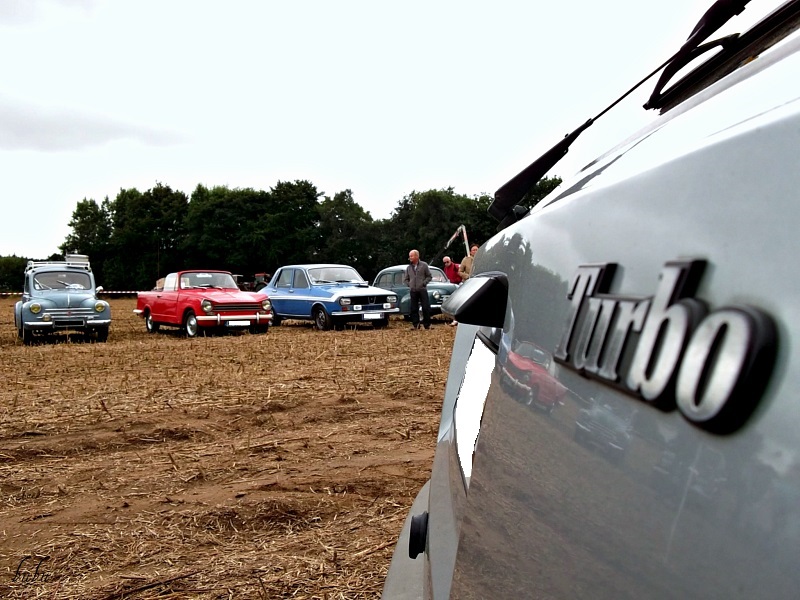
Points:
[(28, 127)]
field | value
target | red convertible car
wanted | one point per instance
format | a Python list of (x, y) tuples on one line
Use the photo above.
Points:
[(528, 368), (200, 301)]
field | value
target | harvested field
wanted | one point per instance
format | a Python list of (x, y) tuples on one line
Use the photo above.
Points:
[(239, 466)]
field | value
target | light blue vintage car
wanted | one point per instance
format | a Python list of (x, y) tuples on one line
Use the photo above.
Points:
[(61, 296), (328, 294)]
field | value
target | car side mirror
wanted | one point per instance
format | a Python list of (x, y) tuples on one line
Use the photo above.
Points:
[(480, 300)]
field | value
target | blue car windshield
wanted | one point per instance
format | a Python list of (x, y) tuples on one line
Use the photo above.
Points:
[(61, 280), (334, 275)]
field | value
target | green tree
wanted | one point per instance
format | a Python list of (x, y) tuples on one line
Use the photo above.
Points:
[(11, 273), (222, 229), (427, 220), (146, 236), (288, 230), (345, 233), (91, 234)]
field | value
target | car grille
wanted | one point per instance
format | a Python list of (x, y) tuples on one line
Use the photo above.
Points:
[(68, 313), (238, 307), (602, 432)]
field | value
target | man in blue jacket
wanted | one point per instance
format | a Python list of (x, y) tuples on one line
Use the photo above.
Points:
[(417, 277)]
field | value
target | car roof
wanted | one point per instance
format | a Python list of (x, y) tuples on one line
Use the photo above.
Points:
[(403, 268), (315, 265)]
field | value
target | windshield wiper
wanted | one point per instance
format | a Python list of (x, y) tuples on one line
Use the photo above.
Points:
[(715, 17), (505, 207)]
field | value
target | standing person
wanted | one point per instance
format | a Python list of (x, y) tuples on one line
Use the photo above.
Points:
[(417, 277), (465, 268), (451, 270)]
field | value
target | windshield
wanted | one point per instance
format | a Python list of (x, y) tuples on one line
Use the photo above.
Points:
[(438, 275), (207, 280), (334, 275), (537, 355), (62, 280)]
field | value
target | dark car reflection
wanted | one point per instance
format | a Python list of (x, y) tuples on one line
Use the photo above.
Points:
[(605, 426)]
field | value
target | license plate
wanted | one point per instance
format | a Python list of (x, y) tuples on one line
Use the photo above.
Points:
[(368, 316), (238, 323)]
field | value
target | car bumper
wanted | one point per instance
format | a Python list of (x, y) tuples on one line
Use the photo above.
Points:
[(247, 320), (66, 324), (365, 315)]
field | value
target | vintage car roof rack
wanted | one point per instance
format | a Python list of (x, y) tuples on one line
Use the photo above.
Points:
[(80, 261)]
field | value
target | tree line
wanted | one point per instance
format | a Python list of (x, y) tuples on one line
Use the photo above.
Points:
[(138, 237)]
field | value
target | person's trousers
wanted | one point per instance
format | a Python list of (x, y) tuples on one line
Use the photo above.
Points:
[(420, 298)]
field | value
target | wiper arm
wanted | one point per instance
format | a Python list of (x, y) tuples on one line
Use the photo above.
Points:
[(715, 17), (505, 207), (506, 198)]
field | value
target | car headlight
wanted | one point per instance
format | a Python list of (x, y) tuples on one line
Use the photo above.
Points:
[(99, 306), (391, 299), (266, 305), (344, 301), (35, 308), (436, 295), (206, 305)]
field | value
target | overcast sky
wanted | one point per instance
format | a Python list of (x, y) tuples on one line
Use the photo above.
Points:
[(380, 98)]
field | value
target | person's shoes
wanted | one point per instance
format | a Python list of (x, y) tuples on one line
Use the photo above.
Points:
[(427, 326), (453, 323)]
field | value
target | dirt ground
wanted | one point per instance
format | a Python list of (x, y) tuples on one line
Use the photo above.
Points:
[(239, 466)]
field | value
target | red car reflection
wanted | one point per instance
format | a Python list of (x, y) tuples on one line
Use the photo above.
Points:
[(528, 373)]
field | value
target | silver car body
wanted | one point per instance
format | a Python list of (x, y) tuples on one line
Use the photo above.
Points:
[(661, 279)]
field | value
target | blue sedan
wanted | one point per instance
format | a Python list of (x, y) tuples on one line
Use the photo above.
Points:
[(329, 295)]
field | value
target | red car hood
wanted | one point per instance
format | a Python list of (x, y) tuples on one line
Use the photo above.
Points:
[(523, 363), (226, 296)]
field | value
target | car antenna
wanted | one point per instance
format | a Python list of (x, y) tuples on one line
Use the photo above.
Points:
[(506, 208)]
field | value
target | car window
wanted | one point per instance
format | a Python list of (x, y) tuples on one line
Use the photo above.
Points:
[(438, 275), (208, 280), (285, 278), (334, 275), (384, 280), (170, 282), (398, 278), (61, 280), (300, 279)]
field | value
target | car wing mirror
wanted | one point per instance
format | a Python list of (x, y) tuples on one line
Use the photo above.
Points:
[(481, 300)]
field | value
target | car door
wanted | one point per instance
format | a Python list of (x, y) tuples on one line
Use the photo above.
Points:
[(164, 306), (289, 293)]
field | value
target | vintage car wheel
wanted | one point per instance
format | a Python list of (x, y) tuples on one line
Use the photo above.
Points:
[(276, 320), (25, 336), (102, 334), (254, 329), (380, 324), (190, 326), (321, 319), (151, 325)]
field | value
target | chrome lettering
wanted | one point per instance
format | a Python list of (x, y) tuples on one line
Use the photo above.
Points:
[(630, 317), (589, 280), (712, 367), (665, 334)]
